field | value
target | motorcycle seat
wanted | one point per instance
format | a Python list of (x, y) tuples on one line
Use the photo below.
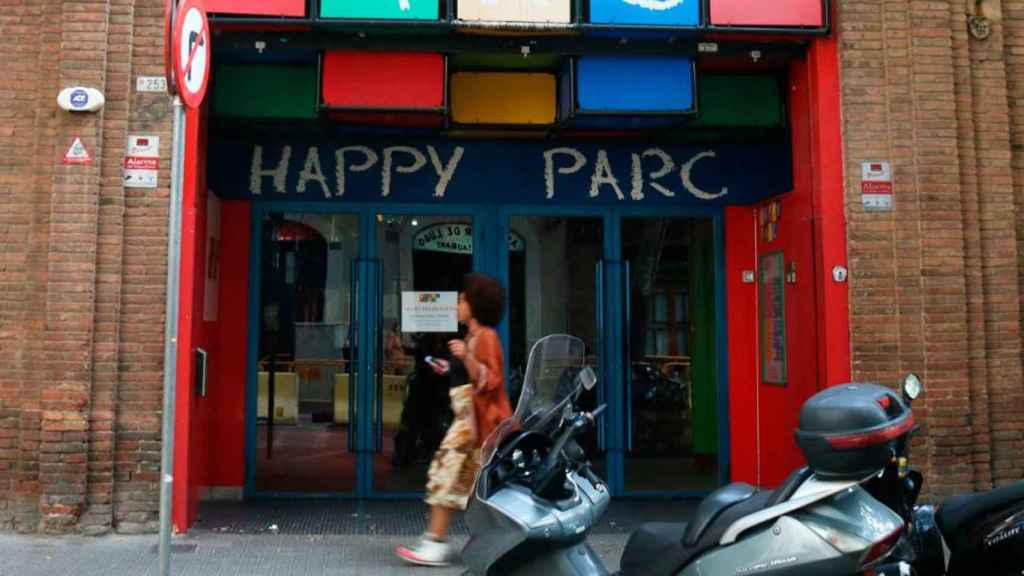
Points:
[(664, 548), (959, 511), (713, 505), (661, 549)]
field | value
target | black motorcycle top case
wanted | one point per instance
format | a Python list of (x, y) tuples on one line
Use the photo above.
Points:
[(849, 432)]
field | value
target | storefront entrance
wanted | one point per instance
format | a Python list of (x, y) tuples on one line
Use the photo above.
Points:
[(638, 287)]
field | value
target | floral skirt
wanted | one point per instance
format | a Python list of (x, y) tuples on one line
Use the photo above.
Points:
[(453, 470)]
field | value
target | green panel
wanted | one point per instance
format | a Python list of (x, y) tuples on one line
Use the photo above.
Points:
[(380, 9), (704, 369), (739, 101), (476, 61), (265, 92)]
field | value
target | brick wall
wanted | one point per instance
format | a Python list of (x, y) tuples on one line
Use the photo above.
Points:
[(81, 271), (941, 274)]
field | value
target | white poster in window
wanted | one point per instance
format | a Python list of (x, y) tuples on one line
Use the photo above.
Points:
[(430, 311), (212, 275)]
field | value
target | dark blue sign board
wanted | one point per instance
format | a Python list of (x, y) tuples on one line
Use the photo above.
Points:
[(548, 172)]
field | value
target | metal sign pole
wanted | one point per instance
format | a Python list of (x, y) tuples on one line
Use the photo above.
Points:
[(171, 336)]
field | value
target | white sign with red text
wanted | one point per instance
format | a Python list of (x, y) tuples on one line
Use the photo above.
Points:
[(142, 162), (876, 186)]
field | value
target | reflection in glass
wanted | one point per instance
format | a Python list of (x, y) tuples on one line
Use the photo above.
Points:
[(672, 421), (552, 290), (420, 254), (304, 352)]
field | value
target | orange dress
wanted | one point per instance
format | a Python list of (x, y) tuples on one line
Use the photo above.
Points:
[(489, 399)]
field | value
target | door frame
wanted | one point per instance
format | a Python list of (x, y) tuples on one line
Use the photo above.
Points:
[(612, 344), (365, 382)]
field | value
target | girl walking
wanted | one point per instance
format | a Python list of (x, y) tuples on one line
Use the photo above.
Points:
[(478, 406)]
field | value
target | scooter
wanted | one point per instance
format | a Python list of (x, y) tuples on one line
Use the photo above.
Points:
[(964, 535), (537, 496)]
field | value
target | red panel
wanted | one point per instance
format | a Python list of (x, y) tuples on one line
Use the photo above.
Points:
[(830, 216), (407, 119), (258, 7), (184, 489), (383, 80), (227, 397), (742, 299), (807, 13)]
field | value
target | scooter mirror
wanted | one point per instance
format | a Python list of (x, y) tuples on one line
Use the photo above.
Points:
[(912, 386), (587, 378)]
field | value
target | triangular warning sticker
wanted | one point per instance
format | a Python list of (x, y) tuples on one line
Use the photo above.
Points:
[(77, 154)]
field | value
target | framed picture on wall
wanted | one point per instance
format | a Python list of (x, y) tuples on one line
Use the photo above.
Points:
[(772, 304)]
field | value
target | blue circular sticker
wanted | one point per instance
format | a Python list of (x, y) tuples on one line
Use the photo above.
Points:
[(79, 98)]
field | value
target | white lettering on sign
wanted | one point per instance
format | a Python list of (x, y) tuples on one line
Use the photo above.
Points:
[(312, 171), (279, 174), (646, 168), (418, 162), (655, 4), (667, 165), (444, 173), (684, 175), (579, 160), (603, 175), (371, 159)]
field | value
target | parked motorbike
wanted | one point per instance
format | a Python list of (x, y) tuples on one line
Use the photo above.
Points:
[(537, 496), (968, 534)]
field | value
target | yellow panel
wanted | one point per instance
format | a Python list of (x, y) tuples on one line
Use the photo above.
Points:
[(502, 98), (515, 10), (394, 395), (286, 396)]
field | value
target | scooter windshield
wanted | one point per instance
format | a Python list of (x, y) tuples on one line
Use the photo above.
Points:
[(550, 385)]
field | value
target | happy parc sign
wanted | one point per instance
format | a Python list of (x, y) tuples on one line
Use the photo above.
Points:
[(506, 172)]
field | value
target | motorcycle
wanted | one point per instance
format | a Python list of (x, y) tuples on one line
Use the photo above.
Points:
[(963, 533), (536, 497)]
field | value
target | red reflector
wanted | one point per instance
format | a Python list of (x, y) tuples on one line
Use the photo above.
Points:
[(884, 402), (879, 549), (847, 441)]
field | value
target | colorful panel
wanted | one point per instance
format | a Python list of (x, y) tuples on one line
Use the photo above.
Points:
[(778, 13), (380, 9), (265, 91), (295, 8), (656, 84), (502, 98), (740, 101), (504, 61), (646, 12), (383, 80), (515, 10)]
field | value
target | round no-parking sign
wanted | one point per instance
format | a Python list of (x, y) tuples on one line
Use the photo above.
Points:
[(192, 52)]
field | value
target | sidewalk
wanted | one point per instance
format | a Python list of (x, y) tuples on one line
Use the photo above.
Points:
[(286, 538), (210, 554)]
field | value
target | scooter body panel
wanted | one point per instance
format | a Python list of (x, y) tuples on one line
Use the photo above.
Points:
[(829, 537), (514, 532)]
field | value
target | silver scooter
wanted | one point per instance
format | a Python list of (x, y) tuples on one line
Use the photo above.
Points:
[(537, 497)]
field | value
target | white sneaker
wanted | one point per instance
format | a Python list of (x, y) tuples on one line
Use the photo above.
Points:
[(426, 552)]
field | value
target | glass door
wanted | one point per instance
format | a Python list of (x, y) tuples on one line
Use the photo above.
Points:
[(306, 395), (555, 285), (420, 262), (668, 345)]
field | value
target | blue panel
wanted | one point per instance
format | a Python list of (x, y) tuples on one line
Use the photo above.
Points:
[(655, 84), (647, 12)]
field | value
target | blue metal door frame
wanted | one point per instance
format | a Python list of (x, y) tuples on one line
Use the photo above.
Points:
[(612, 295), (491, 226), (368, 289)]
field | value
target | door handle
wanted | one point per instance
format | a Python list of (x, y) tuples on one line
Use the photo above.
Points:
[(627, 332), (353, 347), (599, 299), (378, 285)]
